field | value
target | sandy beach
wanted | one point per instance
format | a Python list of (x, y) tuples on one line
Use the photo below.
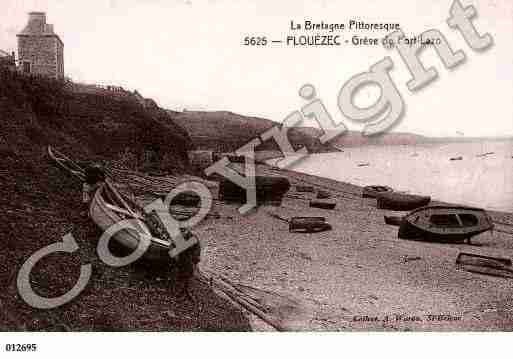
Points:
[(358, 276)]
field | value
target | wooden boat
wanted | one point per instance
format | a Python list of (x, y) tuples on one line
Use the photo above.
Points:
[(401, 201), (445, 223), (323, 204), (373, 191), (269, 190), (393, 220), (108, 207), (494, 266), (321, 194), (309, 189), (308, 224)]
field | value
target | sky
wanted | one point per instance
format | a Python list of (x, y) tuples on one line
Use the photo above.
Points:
[(190, 55)]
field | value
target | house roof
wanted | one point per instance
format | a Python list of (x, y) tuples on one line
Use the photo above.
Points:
[(4, 54)]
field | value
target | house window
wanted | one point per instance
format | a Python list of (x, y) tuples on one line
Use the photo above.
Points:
[(26, 67)]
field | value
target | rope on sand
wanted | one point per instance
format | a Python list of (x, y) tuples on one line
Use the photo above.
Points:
[(277, 217), (502, 231)]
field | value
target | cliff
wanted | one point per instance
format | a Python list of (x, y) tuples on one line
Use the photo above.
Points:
[(40, 203), (227, 131)]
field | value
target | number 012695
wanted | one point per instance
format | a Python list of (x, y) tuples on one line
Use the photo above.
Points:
[(20, 347)]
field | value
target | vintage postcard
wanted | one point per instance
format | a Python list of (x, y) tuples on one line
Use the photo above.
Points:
[(255, 166)]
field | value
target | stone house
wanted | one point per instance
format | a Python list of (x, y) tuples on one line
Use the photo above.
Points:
[(40, 50)]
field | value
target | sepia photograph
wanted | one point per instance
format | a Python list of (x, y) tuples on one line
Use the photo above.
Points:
[(308, 167)]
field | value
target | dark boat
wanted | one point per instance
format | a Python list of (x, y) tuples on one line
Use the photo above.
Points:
[(459, 158), (400, 201), (308, 224), (494, 266), (309, 189), (373, 191), (393, 220), (324, 204), (445, 223), (321, 194), (269, 190)]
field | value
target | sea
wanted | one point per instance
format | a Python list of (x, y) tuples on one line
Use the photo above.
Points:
[(480, 174)]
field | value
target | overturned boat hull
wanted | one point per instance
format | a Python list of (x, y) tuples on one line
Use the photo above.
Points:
[(374, 191), (323, 204), (269, 190), (321, 194), (401, 202), (308, 224)]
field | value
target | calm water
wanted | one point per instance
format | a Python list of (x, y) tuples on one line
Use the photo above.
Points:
[(478, 181)]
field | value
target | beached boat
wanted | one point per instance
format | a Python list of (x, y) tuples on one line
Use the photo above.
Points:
[(108, 207), (373, 191), (445, 223), (323, 204), (308, 224), (269, 190), (321, 194), (477, 263), (396, 201), (308, 189)]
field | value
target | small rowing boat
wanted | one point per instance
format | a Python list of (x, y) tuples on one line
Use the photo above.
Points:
[(445, 223), (108, 207)]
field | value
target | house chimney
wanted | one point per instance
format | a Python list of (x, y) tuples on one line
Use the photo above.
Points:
[(36, 23), (37, 16)]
